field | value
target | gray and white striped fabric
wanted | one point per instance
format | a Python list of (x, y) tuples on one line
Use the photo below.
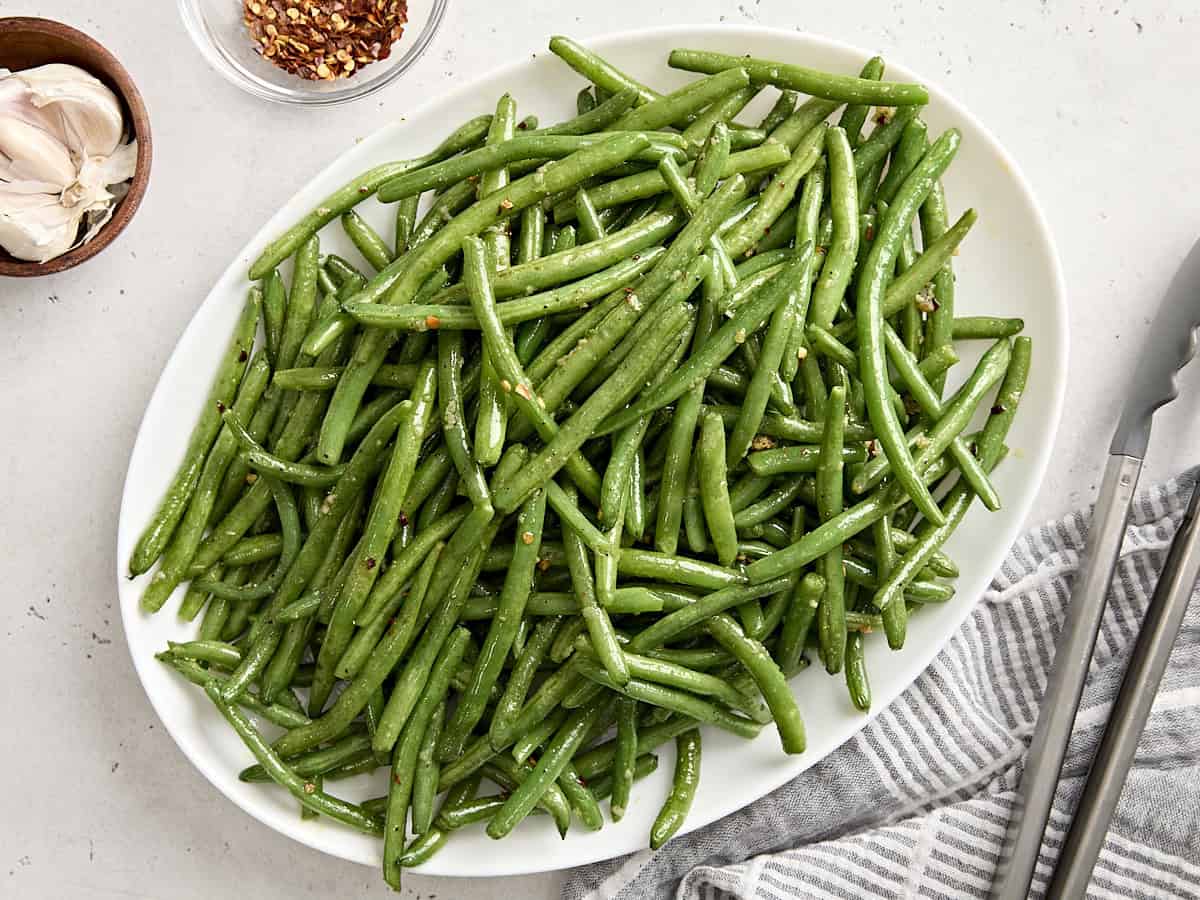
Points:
[(916, 804)]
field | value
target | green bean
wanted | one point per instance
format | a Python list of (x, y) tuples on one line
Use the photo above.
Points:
[(289, 516), (402, 279), (781, 497), (378, 530), (990, 447), (500, 350), (358, 189), (977, 328), (672, 674), (747, 319), (570, 515), (367, 240), (367, 639), (356, 695), (597, 116), (677, 464), (581, 425), (625, 759), (406, 221), (407, 562), (590, 225), (872, 361), (783, 460), (895, 615), (518, 583), (454, 417), (870, 155), (687, 101), (713, 158), (311, 798), (778, 195), (844, 88), (767, 675), (456, 571), (831, 615), (316, 762), (934, 217), (499, 154), (249, 550), (791, 312), (612, 341), (906, 285), (491, 414), (536, 737), (908, 152), (273, 297), (510, 776), (657, 286), (153, 541), (564, 239), (683, 789), (714, 490), (650, 183), (932, 406), (675, 700), (404, 760), (955, 417), (178, 559), (839, 260), (595, 618), (507, 711), (598, 71), (274, 713), (856, 672), (722, 113), (855, 116)]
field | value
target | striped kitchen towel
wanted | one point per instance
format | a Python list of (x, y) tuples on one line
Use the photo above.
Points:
[(916, 804)]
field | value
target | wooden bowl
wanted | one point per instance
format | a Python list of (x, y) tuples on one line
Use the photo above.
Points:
[(28, 42)]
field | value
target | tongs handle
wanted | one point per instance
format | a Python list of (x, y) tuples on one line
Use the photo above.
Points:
[(1151, 653), (1056, 717)]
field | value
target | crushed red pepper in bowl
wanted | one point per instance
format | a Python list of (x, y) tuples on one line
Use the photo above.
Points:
[(323, 40)]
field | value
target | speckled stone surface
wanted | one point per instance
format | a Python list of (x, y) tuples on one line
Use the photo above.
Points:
[(1093, 99)]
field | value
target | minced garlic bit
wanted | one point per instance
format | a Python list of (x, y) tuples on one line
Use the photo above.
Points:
[(762, 442), (740, 336), (526, 537), (926, 302)]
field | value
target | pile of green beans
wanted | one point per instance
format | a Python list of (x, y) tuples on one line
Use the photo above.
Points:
[(631, 416)]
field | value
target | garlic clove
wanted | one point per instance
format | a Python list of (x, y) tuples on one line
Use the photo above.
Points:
[(16, 102), (34, 155), (91, 113), (36, 227)]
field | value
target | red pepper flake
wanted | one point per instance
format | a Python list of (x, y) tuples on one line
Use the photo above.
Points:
[(370, 562), (402, 519), (998, 409), (220, 407), (432, 323), (543, 565), (243, 356), (869, 234), (323, 40)]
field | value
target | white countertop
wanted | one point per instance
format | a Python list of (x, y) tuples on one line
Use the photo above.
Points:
[(1095, 100)]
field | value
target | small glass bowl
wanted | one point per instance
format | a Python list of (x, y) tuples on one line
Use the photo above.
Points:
[(217, 29)]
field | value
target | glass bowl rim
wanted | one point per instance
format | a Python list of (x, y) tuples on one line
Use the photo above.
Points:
[(234, 72)]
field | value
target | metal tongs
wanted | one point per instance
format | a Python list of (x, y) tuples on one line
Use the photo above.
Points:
[(1170, 346)]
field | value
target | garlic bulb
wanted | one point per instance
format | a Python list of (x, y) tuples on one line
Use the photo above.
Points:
[(62, 162)]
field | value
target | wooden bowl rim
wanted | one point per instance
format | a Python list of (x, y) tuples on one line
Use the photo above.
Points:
[(108, 67)]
